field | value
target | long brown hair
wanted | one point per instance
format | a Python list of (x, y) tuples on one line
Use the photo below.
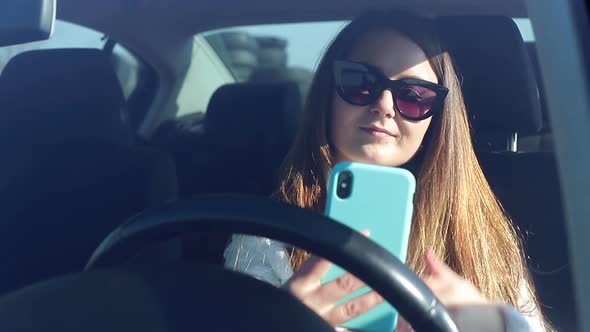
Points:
[(456, 212)]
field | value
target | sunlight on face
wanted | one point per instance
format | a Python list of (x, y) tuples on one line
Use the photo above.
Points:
[(376, 133)]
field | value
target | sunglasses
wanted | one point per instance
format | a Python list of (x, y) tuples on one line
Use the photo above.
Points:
[(361, 84)]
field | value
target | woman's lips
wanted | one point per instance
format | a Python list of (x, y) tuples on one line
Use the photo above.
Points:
[(377, 132)]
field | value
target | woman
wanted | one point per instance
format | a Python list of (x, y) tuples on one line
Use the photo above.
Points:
[(386, 93)]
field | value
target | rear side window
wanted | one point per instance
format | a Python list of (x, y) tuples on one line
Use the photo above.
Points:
[(262, 53), (129, 68), (66, 35)]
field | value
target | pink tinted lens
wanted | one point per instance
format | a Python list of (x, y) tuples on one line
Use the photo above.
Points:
[(415, 101), (358, 87)]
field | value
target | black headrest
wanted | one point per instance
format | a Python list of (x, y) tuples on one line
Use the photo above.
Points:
[(260, 112), (301, 76), (47, 96), (497, 74)]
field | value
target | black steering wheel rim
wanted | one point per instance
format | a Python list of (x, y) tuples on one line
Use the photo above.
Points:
[(302, 228)]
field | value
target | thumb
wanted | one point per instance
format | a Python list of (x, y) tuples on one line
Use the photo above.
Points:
[(434, 267)]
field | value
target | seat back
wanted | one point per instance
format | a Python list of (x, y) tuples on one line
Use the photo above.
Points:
[(71, 173), (246, 134), (502, 99), (248, 129)]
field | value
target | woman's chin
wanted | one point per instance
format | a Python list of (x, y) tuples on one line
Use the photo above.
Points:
[(366, 155), (381, 160)]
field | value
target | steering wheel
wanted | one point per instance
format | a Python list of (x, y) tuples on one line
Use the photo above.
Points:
[(299, 227)]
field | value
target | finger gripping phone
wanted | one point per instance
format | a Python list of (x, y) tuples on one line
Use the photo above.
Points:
[(378, 199)]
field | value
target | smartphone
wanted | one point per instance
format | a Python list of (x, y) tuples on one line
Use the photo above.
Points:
[(378, 199)]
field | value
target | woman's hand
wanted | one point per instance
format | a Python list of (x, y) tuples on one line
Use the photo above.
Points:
[(306, 286), (450, 288)]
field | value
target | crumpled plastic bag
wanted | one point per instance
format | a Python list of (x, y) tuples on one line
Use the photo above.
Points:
[(259, 257)]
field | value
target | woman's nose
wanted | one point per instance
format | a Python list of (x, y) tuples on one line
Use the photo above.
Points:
[(385, 105)]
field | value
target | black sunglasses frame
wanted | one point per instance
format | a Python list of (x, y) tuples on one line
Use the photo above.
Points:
[(384, 83)]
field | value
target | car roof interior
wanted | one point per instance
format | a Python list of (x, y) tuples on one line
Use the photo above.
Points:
[(153, 27)]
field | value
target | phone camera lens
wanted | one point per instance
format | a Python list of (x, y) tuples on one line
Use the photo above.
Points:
[(344, 185)]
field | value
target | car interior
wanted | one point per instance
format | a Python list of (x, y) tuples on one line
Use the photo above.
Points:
[(84, 162)]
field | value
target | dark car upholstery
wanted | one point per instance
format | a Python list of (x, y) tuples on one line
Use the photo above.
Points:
[(501, 93), (70, 173), (248, 128), (243, 140)]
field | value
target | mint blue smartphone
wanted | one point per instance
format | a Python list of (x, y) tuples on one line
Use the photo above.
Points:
[(378, 199)]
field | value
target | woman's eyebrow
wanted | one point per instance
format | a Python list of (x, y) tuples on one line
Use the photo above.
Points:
[(412, 76), (407, 73), (412, 73)]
